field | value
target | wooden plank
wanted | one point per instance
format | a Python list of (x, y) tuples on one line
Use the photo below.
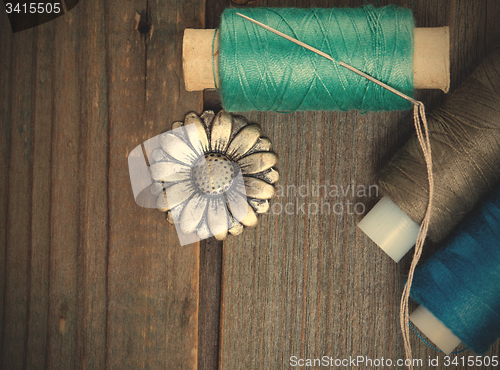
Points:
[(210, 249), (209, 304), (152, 281), (55, 220), (469, 44), (66, 188), (309, 286), (93, 177), (6, 40), (61, 159), (17, 254), (295, 286), (166, 101), (41, 190)]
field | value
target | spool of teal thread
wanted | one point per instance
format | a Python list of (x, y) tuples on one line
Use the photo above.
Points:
[(460, 284), (262, 71)]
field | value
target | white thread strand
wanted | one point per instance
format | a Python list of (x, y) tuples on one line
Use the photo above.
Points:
[(423, 138)]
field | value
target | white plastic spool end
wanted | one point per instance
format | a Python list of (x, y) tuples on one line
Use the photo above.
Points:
[(390, 228), (434, 329)]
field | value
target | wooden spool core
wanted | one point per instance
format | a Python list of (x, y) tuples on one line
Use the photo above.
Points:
[(431, 61)]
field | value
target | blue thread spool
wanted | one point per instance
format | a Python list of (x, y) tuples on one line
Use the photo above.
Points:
[(460, 285)]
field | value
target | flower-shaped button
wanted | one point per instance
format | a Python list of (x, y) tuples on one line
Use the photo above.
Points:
[(213, 174)]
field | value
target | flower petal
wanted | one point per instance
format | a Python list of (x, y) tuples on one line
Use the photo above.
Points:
[(170, 218), (221, 236), (244, 141), (174, 215), (193, 212), (178, 193), (203, 231), (257, 162), (221, 131), (161, 203), (236, 227), (250, 219), (218, 218), (177, 148), (196, 133), (238, 205), (169, 172), (239, 183), (272, 176), (259, 189), (156, 188), (262, 145), (260, 206), (238, 123), (177, 124), (208, 117), (159, 155)]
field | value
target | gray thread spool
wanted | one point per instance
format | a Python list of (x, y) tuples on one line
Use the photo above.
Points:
[(465, 141)]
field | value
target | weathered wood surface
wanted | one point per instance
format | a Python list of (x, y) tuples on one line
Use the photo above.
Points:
[(90, 280), (313, 286)]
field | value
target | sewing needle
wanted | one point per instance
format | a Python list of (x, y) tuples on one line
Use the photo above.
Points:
[(324, 55)]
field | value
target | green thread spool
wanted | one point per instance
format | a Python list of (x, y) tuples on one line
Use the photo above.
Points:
[(257, 70), (274, 75)]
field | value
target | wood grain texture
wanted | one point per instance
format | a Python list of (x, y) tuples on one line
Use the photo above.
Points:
[(17, 257), (211, 249), (88, 278), (314, 285), (5, 124), (41, 195), (93, 208), (209, 304), (65, 198), (153, 282)]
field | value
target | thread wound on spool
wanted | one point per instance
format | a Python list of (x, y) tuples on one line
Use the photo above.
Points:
[(262, 71), (465, 141), (460, 284)]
